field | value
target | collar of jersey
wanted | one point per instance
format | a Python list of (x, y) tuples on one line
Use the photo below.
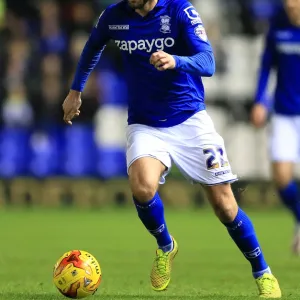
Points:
[(160, 4)]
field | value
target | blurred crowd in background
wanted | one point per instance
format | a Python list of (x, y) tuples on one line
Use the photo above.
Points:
[(41, 41)]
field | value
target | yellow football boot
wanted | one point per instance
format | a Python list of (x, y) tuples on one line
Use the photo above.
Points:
[(268, 286), (162, 267)]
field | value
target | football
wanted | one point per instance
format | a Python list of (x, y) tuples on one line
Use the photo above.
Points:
[(77, 274)]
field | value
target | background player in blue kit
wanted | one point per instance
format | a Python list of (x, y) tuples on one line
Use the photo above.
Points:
[(166, 51), (282, 53)]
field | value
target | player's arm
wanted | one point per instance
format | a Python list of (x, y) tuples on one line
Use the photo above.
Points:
[(88, 60), (201, 61), (268, 62)]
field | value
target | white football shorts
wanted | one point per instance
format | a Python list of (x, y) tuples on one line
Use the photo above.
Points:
[(285, 138), (193, 146)]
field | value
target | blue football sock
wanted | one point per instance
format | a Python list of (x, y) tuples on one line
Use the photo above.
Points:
[(291, 199), (242, 232), (152, 216)]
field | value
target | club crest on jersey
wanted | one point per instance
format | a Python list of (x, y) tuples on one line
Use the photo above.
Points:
[(165, 23), (193, 15), (201, 33)]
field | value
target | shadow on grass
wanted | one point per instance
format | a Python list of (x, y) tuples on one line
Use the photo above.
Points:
[(162, 296), (44, 296), (29, 296)]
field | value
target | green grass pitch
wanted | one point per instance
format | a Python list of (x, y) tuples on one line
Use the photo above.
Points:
[(208, 265)]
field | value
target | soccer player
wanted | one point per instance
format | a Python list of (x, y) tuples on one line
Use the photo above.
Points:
[(166, 52), (282, 53)]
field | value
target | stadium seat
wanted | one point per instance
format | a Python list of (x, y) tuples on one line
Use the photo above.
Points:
[(79, 151), (241, 76), (45, 152), (111, 163), (245, 149), (219, 117), (14, 152)]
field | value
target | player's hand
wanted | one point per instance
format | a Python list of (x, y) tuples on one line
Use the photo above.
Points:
[(71, 106), (259, 115), (162, 61)]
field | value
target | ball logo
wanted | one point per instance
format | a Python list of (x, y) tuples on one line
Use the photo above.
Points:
[(86, 282)]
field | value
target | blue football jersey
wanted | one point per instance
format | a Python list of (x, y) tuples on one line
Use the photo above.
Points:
[(160, 99), (282, 53)]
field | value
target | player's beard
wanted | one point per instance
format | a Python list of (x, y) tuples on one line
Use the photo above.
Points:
[(137, 4), (293, 11), (294, 17)]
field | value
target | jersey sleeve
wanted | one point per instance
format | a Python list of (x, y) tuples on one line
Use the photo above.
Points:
[(92, 51), (193, 29), (268, 62), (200, 59), (100, 33)]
